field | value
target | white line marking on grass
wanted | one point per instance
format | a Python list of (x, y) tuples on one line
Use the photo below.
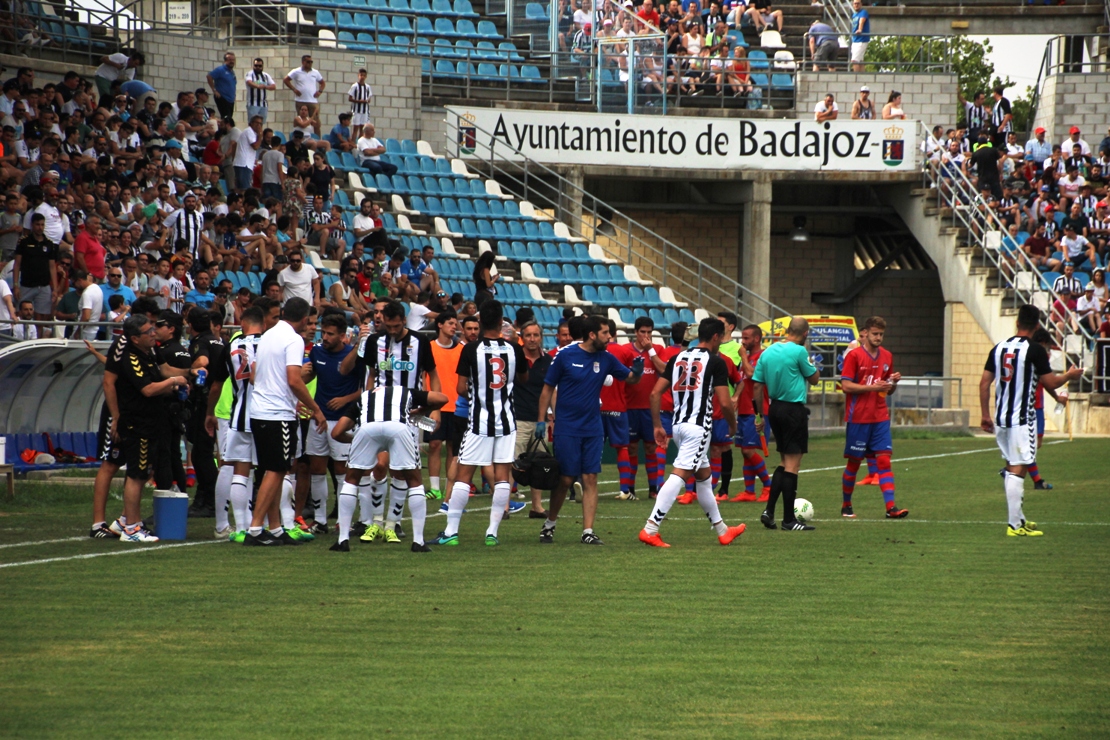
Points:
[(42, 542), (927, 457), (908, 521), (108, 554)]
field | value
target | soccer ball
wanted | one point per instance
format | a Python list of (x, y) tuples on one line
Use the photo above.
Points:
[(803, 510)]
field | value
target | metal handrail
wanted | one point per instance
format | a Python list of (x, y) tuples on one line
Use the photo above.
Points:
[(983, 225), (693, 280), (1051, 64), (914, 64)]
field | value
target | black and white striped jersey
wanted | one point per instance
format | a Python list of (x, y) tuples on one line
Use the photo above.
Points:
[(187, 226), (385, 403), (491, 367), (240, 365), (1016, 364), (694, 375), (255, 96), (402, 362), (361, 95)]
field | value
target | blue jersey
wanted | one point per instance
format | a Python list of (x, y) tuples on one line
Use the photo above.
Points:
[(224, 80), (865, 36), (580, 376), (330, 383), (203, 300)]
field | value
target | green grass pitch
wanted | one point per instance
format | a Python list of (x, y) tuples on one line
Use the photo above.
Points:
[(934, 626)]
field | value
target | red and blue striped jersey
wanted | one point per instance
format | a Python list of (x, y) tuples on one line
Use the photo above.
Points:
[(865, 369)]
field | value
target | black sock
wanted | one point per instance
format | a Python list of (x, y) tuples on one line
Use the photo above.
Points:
[(726, 472), (789, 493), (776, 489)]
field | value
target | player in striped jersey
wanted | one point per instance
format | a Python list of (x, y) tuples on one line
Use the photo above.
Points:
[(391, 356), (867, 378), (488, 369), (237, 449), (359, 96), (382, 417), (187, 224), (1015, 366), (696, 377)]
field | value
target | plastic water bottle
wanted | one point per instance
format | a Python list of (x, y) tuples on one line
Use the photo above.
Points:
[(202, 376), (183, 392), (427, 423)]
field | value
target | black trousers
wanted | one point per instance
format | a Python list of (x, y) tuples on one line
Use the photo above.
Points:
[(204, 463)]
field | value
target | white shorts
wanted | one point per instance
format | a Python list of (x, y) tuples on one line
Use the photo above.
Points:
[(859, 48), (222, 425), (360, 119), (1018, 444), (322, 445), (478, 451), (398, 438), (693, 446), (239, 447)]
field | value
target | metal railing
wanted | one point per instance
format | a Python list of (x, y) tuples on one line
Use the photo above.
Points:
[(985, 233), (907, 55), (622, 238)]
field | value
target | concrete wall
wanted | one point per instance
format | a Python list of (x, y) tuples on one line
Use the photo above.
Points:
[(176, 63), (433, 127), (1075, 100), (930, 98), (966, 346)]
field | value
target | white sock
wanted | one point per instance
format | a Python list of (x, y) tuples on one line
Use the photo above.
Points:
[(365, 501), (501, 492), (1015, 492), (223, 495), (287, 488), (348, 497), (377, 499), (319, 492), (240, 501), (418, 510), (398, 490), (434, 479), (460, 497), (704, 489), (663, 502)]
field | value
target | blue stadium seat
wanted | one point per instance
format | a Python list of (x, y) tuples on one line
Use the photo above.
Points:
[(463, 9), (450, 207), (408, 146), (465, 49), (334, 160), (400, 6), (591, 294), (540, 271), (443, 167), (377, 4), (346, 20), (636, 295), (555, 274), (485, 229), (444, 49), (465, 27), (481, 208), (500, 229), (620, 296), (443, 8), (488, 72), (325, 18), (566, 253), (350, 163), (424, 28), (781, 81), (535, 12), (651, 295), (421, 7), (486, 29), (757, 60), (402, 25), (532, 229), (461, 187), (517, 230), (445, 68), (366, 42), (393, 146), (530, 73), (469, 228), (510, 48), (347, 39), (445, 27), (759, 80), (487, 51)]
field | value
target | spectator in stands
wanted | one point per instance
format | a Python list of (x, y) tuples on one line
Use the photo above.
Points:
[(300, 280), (1002, 118), (115, 286), (307, 122), (222, 80), (344, 294), (307, 84), (424, 311), (23, 332), (826, 110), (484, 279), (273, 172), (90, 307), (246, 153), (372, 149), (1087, 309), (1069, 188), (765, 16), (1074, 140), (339, 138), (1037, 248), (11, 227), (88, 251), (113, 67), (985, 160), (648, 14), (861, 34), (259, 85), (823, 45), (200, 296), (1076, 248), (1037, 150), (367, 226), (893, 108), (7, 309)]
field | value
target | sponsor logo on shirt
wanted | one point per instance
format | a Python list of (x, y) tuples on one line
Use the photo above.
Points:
[(394, 365)]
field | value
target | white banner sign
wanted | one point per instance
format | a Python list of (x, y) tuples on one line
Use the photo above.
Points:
[(680, 142)]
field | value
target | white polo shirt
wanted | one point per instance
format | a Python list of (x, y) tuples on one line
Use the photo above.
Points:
[(272, 399)]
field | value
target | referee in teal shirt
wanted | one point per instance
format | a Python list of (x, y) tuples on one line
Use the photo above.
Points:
[(783, 373)]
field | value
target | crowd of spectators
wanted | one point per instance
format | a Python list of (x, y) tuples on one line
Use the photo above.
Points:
[(111, 194)]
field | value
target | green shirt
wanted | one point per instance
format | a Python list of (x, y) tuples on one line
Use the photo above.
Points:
[(783, 368), (223, 406), (731, 350)]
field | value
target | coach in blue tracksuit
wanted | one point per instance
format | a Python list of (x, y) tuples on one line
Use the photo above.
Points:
[(579, 372)]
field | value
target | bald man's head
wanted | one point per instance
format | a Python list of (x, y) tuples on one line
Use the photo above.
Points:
[(798, 327)]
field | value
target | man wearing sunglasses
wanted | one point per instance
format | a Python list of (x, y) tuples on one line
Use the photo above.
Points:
[(300, 280)]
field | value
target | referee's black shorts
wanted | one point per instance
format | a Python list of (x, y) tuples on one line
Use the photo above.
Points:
[(445, 431), (790, 425), (274, 443)]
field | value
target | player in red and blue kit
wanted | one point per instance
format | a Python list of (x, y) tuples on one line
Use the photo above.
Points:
[(614, 413), (867, 379), (639, 407), (751, 339)]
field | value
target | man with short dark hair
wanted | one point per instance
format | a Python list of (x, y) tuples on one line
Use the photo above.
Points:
[(207, 350), (782, 374), (222, 81), (278, 387), (579, 372), (526, 400), (1018, 364), (34, 272), (696, 377)]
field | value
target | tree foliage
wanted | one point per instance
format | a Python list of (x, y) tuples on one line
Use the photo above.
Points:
[(969, 60)]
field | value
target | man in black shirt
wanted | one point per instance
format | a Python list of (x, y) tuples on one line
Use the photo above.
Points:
[(207, 350), (985, 159), (526, 401), (140, 392), (34, 273), (170, 352)]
